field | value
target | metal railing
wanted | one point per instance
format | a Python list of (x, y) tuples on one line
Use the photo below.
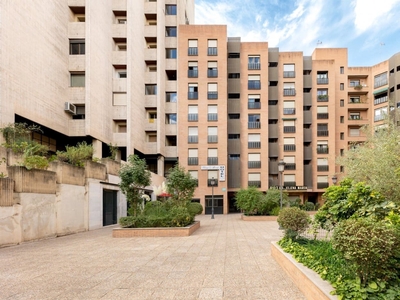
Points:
[(254, 125), (254, 164), (289, 92)]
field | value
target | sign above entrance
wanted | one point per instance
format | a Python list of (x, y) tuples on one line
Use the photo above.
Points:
[(297, 187), (220, 168)]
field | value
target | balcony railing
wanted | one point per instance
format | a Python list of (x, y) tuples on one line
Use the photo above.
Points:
[(322, 132), (212, 73), (354, 117), (254, 85), (322, 98), (254, 145), (256, 183), (254, 105), (193, 161), (192, 51), (322, 80), (289, 148), (323, 116), (193, 117), (289, 92), (193, 95), (289, 183), (193, 139), (254, 164), (193, 73), (212, 51), (289, 111), (212, 117), (254, 66), (322, 149), (290, 166), (289, 74), (322, 185), (212, 160), (323, 168), (379, 83), (212, 138), (380, 100), (209, 183), (212, 95), (289, 129), (254, 125)]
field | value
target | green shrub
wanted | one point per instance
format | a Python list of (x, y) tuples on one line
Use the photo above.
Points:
[(248, 200), (35, 162), (293, 220), (275, 211), (295, 202), (194, 208), (309, 206), (154, 208), (180, 217), (317, 206), (371, 246), (76, 155)]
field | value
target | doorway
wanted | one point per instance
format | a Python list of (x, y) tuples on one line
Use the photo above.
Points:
[(109, 207)]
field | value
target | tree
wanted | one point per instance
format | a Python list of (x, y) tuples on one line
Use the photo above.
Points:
[(376, 162), (134, 177), (180, 185), (249, 200)]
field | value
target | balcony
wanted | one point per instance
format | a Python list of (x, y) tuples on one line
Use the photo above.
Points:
[(322, 80), (212, 160), (307, 153), (323, 168), (254, 145), (273, 150), (254, 85), (193, 139), (322, 98), (273, 131), (289, 148), (193, 161), (193, 117), (254, 125), (322, 149), (307, 135), (289, 129), (273, 167), (307, 117), (322, 132), (193, 95), (212, 95), (289, 92), (322, 185), (290, 166), (254, 66), (213, 73), (289, 111), (192, 51), (255, 183), (212, 117), (212, 139), (254, 105), (193, 73), (289, 74), (211, 51), (254, 164), (323, 116), (119, 31)]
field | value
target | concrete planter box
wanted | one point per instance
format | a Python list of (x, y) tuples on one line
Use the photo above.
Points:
[(32, 181), (259, 218), (67, 173), (308, 281), (156, 231), (112, 166), (95, 170), (6, 192)]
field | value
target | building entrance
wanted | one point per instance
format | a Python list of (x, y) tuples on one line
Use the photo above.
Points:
[(218, 204), (109, 207)]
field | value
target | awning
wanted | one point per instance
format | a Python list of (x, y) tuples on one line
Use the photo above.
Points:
[(380, 91)]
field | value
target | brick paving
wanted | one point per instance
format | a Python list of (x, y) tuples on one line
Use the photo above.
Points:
[(227, 258)]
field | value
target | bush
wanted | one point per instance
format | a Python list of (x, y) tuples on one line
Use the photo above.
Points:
[(275, 211), (309, 206), (76, 155), (295, 202), (194, 208), (293, 220), (371, 246), (248, 200), (35, 162)]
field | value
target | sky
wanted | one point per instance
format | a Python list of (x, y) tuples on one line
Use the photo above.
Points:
[(370, 29)]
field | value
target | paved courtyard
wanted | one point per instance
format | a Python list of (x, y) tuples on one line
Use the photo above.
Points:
[(225, 259)]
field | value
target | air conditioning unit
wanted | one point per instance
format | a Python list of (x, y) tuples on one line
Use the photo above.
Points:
[(70, 108)]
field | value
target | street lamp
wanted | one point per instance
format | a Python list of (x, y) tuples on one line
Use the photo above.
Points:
[(334, 179), (212, 183), (281, 168)]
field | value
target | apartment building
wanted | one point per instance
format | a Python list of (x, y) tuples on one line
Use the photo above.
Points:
[(243, 107)]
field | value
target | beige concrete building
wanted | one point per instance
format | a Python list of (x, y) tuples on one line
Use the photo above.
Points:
[(107, 71)]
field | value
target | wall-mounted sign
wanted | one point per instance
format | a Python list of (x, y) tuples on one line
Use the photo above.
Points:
[(297, 187), (221, 169)]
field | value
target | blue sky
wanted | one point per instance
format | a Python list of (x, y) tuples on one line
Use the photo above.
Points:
[(370, 29)]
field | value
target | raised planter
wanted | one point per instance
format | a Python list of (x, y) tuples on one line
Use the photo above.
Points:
[(112, 166), (156, 231), (308, 281), (95, 170), (32, 181), (67, 173), (6, 192)]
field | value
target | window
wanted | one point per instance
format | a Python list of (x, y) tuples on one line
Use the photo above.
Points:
[(193, 157), (289, 180), (122, 74), (171, 97), (382, 98), (341, 119), (342, 135), (119, 98), (212, 113), (322, 147), (342, 86), (254, 82), (380, 80), (289, 107), (322, 112), (322, 95), (212, 134), (170, 53), (289, 126), (254, 102), (290, 162), (254, 141), (354, 116), (341, 152), (212, 47), (380, 113), (170, 10), (212, 69), (193, 113), (288, 71), (288, 89), (254, 160), (289, 144), (192, 91), (354, 100), (120, 126), (354, 83), (322, 77), (170, 31), (193, 69), (322, 181), (170, 119), (212, 91), (254, 179), (254, 62), (77, 79), (254, 121), (322, 164), (192, 50), (341, 102), (80, 112), (322, 130), (341, 70), (76, 47), (212, 158), (151, 89), (193, 135), (194, 175), (152, 137), (354, 132)]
